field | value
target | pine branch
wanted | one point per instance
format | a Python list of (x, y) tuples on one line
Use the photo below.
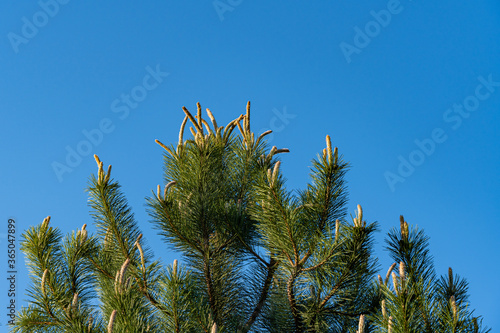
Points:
[(271, 268), (292, 301), (210, 291)]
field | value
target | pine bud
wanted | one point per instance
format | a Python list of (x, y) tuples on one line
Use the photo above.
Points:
[(45, 223), (158, 192), (361, 326), (360, 214), (273, 150), (395, 282), (141, 252), (389, 271), (281, 150), (106, 179), (209, 130), (404, 227), (450, 276), (198, 137), (384, 310), (242, 131), (220, 133), (117, 283), (74, 301), (329, 149), (97, 160), (111, 321), (228, 130), (128, 283), (190, 116), (454, 307), (248, 117), (198, 116), (389, 325), (170, 184), (212, 118), (380, 281), (100, 174), (83, 234), (44, 280), (174, 268), (123, 270), (275, 171), (214, 328), (99, 166), (181, 131), (262, 136), (161, 145), (402, 272)]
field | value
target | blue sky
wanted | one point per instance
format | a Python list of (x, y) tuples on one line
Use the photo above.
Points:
[(408, 90)]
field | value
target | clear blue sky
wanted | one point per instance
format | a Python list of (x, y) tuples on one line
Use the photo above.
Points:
[(409, 92)]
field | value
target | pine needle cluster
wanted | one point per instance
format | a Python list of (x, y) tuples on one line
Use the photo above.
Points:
[(413, 298)]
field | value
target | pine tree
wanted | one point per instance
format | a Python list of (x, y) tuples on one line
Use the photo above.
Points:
[(256, 257), (418, 301)]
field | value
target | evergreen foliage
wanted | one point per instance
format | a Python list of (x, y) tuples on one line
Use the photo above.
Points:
[(257, 257)]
